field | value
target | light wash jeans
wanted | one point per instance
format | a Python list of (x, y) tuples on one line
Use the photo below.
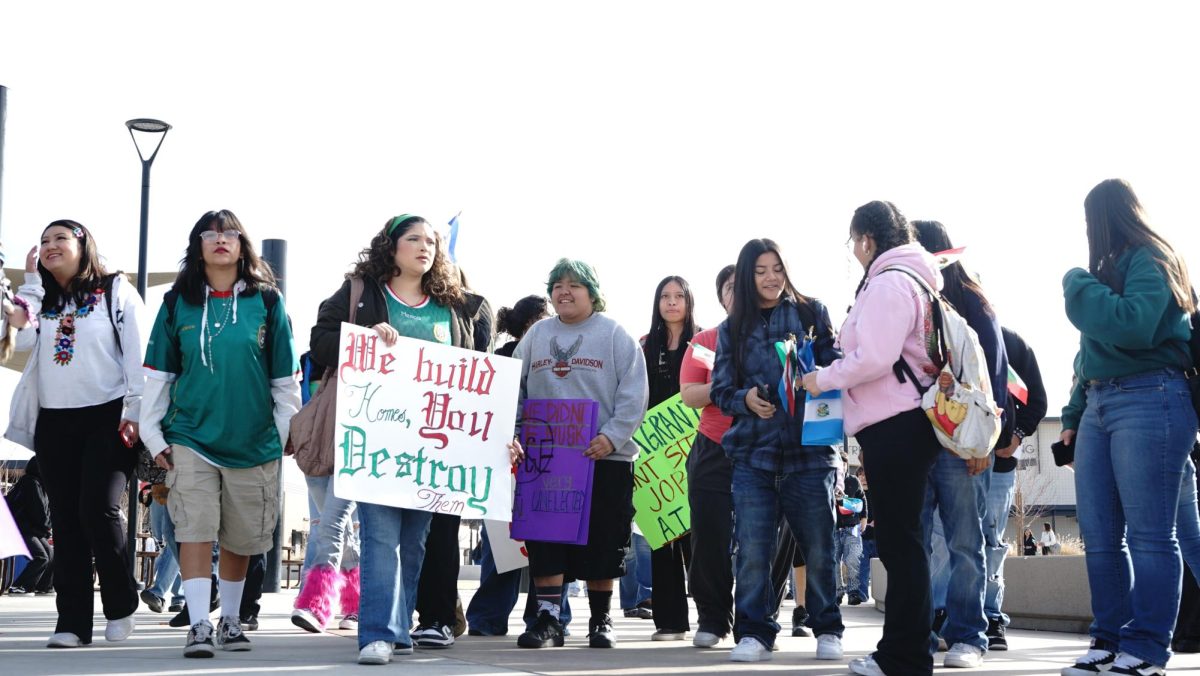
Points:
[(635, 584), (166, 566), (956, 504), (999, 502), (1131, 456), (760, 500), (331, 528), (393, 548), (848, 550)]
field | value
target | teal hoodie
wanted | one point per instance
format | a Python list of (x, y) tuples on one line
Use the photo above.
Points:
[(1121, 334)]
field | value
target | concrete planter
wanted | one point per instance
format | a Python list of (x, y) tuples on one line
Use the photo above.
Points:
[(1047, 593)]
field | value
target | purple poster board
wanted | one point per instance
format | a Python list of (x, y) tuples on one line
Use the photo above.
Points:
[(553, 497)]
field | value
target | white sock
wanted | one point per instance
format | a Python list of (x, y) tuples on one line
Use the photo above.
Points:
[(197, 592), (231, 597)]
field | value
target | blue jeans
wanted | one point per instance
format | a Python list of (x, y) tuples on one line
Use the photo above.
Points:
[(847, 550), (999, 502), (1187, 522), (864, 567), (959, 502), (166, 566), (393, 547), (635, 585), (1131, 451), (496, 597), (760, 499), (331, 527)]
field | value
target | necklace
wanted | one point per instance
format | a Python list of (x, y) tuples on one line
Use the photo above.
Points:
[(64, 335), (219, 325)]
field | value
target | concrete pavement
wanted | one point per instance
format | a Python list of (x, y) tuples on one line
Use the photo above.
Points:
[(280, 648)]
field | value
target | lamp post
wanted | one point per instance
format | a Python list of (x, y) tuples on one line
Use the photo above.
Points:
[(149, 130)]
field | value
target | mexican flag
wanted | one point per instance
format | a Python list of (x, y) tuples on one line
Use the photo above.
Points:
[(1016, 387)]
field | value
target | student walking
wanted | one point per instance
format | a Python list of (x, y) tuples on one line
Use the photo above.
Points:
[(77, 405), (221, 388)]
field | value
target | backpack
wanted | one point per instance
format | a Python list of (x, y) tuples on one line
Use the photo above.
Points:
[(964, 414), (1193, 373)]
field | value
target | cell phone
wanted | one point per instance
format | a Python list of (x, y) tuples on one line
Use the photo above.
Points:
[(764, 393), (1063, 454)]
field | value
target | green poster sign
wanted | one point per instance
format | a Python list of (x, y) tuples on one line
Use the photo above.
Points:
[(660, 484)]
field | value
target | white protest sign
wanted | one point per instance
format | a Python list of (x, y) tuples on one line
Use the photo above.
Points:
[(424, 426), (509, 554)]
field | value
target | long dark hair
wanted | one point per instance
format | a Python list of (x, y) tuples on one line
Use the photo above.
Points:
[(956, 282), (885, 224), (745, 314), (657, 339), (252, 269), (722, 277), (90, 276), (1116, 222), (378, 262), (516, 320)]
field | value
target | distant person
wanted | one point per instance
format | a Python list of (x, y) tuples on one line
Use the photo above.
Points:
[(851, 515), (1029, 543), (868, 539), (1131, 423), (31, 511), (221, 368), (166, 566), (77, 406), (1048, 540)]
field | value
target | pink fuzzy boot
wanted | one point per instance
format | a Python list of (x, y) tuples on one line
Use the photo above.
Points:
[(314, 605), (350, 592)]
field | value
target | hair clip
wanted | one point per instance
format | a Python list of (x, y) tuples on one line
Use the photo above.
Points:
[(78, 232)]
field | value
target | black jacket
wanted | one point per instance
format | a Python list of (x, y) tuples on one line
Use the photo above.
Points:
[(30, 507), (1028, 415), (372, 309), (853, 489)]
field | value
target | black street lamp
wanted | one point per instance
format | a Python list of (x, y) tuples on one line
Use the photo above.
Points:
[(148, 129)]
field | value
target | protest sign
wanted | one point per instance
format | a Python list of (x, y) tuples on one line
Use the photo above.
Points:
[(660, 497), (424, 426), (11, 542), (553, 499), (507, 553)]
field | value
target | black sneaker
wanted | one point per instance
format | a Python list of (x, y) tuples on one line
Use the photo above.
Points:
[(230, 637), (546, 631), (939, 621), (600, 633), (250, 623), (199, 640), (1135, 666), (436, 635), (1096, 661), (799, 618), (639, 613), (17, 591), (175, 607), (152, 601), (855, 600), (995, 636)]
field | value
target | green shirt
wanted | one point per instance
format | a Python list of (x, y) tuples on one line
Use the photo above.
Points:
[(223, 409), (427, 321), (1140, 329)]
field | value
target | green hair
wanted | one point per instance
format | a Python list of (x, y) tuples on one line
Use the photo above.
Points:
[(580, 272)]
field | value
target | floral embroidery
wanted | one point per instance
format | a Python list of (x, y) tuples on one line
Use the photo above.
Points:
[(64, 337)]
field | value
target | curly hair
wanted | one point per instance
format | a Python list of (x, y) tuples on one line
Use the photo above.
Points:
[(378, 262), (885, 224), (516, 319)]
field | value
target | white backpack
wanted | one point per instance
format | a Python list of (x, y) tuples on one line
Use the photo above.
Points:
[(963, 414)]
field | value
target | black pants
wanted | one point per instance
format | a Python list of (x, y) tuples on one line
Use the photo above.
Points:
[(38, 574), (256, 572), (668, 591), (437, 589), (897, 454), (85, 467)]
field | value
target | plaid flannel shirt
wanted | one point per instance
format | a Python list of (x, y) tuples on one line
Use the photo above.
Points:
[(773, 444)]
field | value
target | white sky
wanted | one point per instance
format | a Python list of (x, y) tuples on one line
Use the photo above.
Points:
[(649, 138)]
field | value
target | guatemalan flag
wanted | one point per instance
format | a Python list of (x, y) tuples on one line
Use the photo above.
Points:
[(823, 413)]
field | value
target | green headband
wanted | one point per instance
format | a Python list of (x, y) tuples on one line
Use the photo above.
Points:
[(395, 222)]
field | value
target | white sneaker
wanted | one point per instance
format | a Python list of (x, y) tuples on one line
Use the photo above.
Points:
[(829, 647), (749, 650), (64, 639), (349, 622), (119, 630), (866, 666), (375, 652), (304, 618), (963, 656), (705, 639)]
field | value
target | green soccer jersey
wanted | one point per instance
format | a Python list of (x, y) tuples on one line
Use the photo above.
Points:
[(427, 321), (221, 403)]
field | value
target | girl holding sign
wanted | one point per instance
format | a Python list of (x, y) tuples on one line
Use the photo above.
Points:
[(774, 473), (671, 328), (76, 406), (583, 354), (410, 289), (220, 391)]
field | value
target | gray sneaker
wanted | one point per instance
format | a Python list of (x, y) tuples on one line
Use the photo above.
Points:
[(199, 640), (230, 637)]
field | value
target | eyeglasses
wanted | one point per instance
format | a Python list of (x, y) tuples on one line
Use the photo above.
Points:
[(211, 236)]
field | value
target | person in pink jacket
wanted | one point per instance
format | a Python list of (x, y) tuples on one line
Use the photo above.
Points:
[(891, 320)]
